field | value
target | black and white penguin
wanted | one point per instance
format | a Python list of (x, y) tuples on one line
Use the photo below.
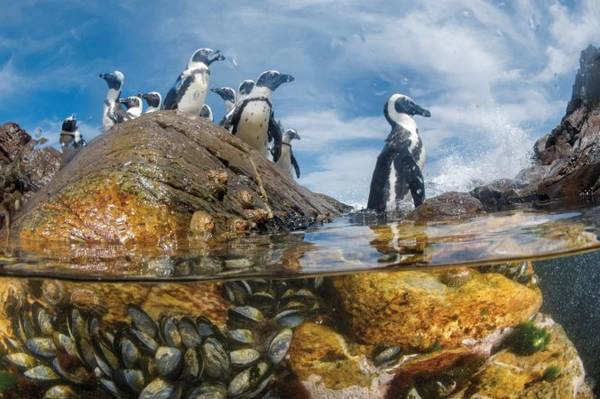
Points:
[(112, 112), (133, 105), (189, 92), (253, 121), (404, 149), (206, 112), (153, 99), (70, 139), (228, 96), (287, 161)]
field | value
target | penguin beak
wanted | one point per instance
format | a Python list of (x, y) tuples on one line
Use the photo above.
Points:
[(295, 136), (421, 111), (102, 76), (287, 78), (216, 56)]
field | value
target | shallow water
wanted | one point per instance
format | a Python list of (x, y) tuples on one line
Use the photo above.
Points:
[(108, 321)]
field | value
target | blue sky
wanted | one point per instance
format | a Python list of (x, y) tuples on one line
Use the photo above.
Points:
[(495, 74)]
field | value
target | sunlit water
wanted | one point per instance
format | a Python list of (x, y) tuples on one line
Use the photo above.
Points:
[(106, 321)]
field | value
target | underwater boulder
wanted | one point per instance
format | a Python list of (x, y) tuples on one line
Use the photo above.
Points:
[(143, 180), (415, 310), (554, 372)]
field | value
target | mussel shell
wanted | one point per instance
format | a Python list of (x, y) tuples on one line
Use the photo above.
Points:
[(78, 375), (386, 356), (237, 291), (42, 319), (193, 364), (66, 344), (205, 327), (41, 373), (21, 360), (142, 321), (160, 389), (60, 392), (43, 347), (189, 333), (76, 325), (248, 379), (148, 344), (245, 315), (208, 391), (169, 361), (279, 345), (244, 357), (112, 388), (130, 380), (264, 301), (241, 336), (169, 331), (127, 351), (86, 352), (238, 263), (216, 359), (291, 318)]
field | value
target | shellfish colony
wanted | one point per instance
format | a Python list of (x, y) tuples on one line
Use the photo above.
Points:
[(69, 353)]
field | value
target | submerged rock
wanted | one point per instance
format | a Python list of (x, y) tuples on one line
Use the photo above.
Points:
[(143, 180), (415, 310)]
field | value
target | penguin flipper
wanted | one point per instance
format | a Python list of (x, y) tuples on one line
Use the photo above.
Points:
[(409, 177), (177, 91), (379, 191), (295, 164), (276, 135), (233, 118)]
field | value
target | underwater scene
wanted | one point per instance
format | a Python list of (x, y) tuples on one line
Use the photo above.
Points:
[(309, 199)]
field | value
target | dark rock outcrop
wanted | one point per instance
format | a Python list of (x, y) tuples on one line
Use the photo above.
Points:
[(451, 205), (142, 181), (24, 168)]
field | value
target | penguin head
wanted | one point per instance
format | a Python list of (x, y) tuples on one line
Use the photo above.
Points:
[(226, 93), (69, 124), (131, 102), (246, 87), (153, 98), (290, 135), (206, 112), (400, 104), (273, 79), (206, 56), (114, 79)]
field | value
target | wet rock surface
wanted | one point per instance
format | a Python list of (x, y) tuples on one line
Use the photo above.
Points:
[(143, 180), (451, 205), (416, 310)]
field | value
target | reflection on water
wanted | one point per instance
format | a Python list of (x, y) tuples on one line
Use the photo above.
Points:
[(287, 316)]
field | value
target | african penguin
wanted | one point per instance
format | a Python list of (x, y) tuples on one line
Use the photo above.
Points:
[(153, 99), (206, 112), (133, 105), (253, 121), (190, 90), (404, 149), (287, 160), (112, 112), (70, 139)]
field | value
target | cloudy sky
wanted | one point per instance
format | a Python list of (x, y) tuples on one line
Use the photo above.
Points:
[(495, 74)]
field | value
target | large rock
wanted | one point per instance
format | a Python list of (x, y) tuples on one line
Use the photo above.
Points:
[(451, 205), (143, 180), (416, 310)]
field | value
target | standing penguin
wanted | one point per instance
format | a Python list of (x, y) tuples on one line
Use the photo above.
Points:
[(253, 121), (287, 160), (153, 99), (70, 139), (190, 90), (133, 105), (404, 148), (112, 112)]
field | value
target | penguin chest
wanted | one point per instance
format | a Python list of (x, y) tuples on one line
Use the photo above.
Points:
[(253, 125), (194, 95), (284, 163)]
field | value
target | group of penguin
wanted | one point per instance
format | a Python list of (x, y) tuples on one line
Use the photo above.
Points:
[(249, 115), (248, 112)]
